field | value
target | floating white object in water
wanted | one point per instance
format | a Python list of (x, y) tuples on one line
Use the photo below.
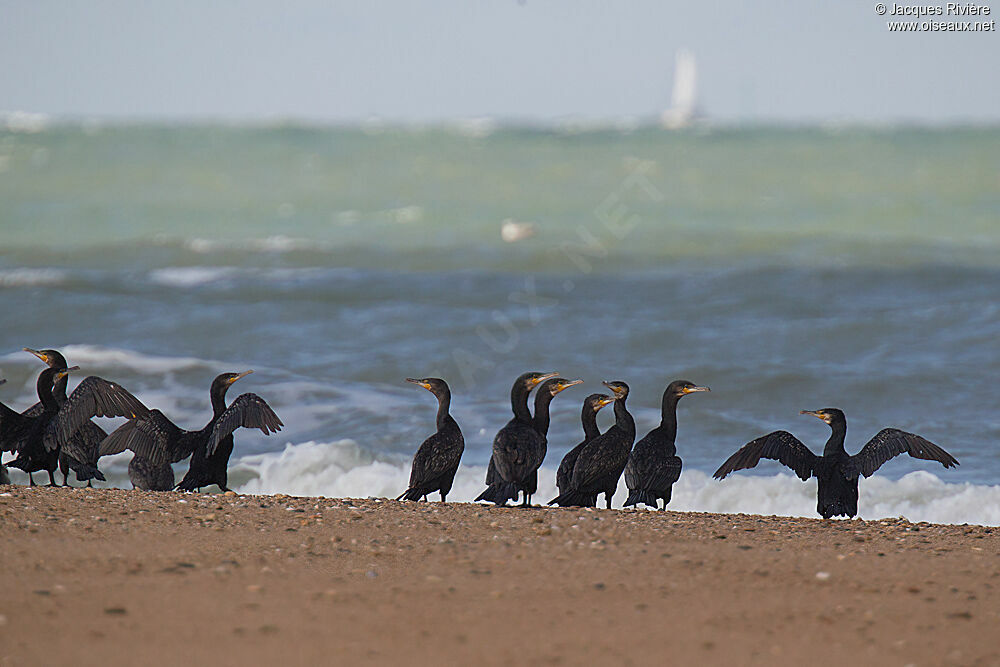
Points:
[(512, 231)]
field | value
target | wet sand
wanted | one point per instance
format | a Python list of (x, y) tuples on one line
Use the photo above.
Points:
[(116, 577)]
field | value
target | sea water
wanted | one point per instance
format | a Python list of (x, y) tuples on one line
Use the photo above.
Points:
[(786, 268)]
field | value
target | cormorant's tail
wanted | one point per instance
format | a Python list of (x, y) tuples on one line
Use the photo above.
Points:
[(411, 494), (85, 472), (636, 496), (18, 463), (499, 492), (572, 498)]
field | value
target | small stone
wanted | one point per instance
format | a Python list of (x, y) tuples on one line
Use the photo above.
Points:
[(822, 576), (254, 588), (115, 611)]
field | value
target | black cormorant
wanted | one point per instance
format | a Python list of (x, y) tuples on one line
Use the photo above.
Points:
[(602, 460), (87, 440), (437, 459), (588, 416), (653, 466), (518, 449), (161, 442), (836, 471), (25, 434)]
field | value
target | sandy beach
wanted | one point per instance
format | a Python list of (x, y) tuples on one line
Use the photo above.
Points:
[(116, 577)]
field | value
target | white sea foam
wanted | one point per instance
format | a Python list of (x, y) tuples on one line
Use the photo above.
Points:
[(26, 277), (277, 243), (190, 276), (187, 277), (344, 469), (95, 355)]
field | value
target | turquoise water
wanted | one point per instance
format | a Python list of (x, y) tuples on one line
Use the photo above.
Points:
[(788, 269)]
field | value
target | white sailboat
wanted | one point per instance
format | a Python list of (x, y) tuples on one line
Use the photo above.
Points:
[(684, 97)]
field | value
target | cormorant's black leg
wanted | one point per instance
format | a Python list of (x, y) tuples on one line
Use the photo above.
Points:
[(52, 479), (31, 480)]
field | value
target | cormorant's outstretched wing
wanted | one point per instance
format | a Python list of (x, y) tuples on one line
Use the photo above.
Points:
[(779, 446), (34, 411), (94, 397), (248, 410), (890, 442), (11, 426), (153, 437)]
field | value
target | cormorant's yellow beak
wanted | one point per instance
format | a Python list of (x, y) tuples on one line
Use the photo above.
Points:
[(818, 414), (691, 390), (44, 357), (618, 391), (241, 375), (607, 400), (565, 385), (66, 371), (425, 385), (542, 378)]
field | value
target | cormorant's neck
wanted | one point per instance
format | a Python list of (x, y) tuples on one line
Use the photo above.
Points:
[(589, 419), (218, 395), (444, 405), (541, 421), (44, 388), (623, 419), (835, 445), (668, 416), (519, 402)]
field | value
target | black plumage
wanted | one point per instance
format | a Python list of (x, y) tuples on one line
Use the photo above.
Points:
[(25, 434), (836, 471), (87, 439), (4, 477), (653, 466), (161, 442), (437, 459), (518, 449), (588, 417), (602, 460)]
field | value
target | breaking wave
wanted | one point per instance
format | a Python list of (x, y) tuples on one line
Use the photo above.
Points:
[(344, 469)]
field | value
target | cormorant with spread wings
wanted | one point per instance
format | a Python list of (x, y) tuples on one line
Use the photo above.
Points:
[(836, 471), (157, 442)]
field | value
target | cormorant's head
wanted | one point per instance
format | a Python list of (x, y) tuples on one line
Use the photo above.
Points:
[(63, 372), (436, 386), (597, 401), (829, 415), (555, 385), (680, 388), (224, 380), (52, 358), (531, 380), (618, 388)]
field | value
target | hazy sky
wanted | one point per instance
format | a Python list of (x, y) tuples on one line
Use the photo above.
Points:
[(795, 60)]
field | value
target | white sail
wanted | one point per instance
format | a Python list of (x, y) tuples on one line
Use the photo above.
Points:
[(684, 98)]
